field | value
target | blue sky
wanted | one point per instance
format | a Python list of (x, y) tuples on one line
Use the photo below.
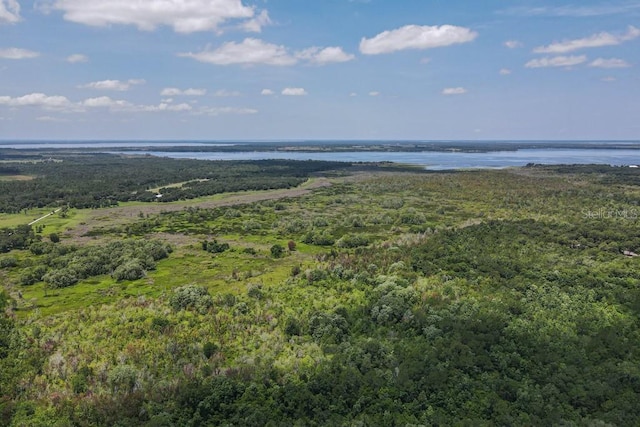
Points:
[(333, 69)]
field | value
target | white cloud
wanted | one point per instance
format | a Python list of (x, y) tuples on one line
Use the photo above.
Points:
[(173, 91), (9, 11), (223, 93), (353, 94), (416, 37), (595, 40), (608, 79), (609, 63), (51, 119), (321, 56), (253, 51), (63, 104), (454, 91), (374, 93), (117, 105), (77, 58), (116, 85), (267, 92), (250, 52), (255, 25), (16, 53), (573, 11), (505, 71), (163, 107), (556, 61), (217, 111), (38, 100), (186, 16), (512, 44), (294, 91)]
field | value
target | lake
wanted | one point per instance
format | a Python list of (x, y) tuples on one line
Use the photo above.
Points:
[(430, 159)]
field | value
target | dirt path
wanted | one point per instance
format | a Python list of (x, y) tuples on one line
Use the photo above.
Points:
[(46, 216), (123, 214)]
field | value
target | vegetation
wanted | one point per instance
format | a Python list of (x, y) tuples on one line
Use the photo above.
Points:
[(105, 180), (508, 297)]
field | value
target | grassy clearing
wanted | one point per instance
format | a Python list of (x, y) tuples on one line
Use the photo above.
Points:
[(16, 177)]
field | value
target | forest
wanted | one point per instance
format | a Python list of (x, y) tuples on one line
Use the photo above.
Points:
[(383, 297), (102, 180)]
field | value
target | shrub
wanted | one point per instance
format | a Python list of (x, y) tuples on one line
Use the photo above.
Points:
[(34, 275), (209, 349), (353, 241), (61, 278), (8, 262), (131, 270), (191, 297), (277, 251)]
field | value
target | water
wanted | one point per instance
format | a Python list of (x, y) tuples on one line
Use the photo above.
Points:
[(582, 154), (433, 160)]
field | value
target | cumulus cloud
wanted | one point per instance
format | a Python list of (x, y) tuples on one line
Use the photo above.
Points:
[(77, 58), (416, 37), (186, 16), (16, 53), (374, 93), (217, 111), (267, 92), (173, 91), (512, 44), (9, 11), (252, 51), (255, 25), (294, 91), (249, 52), (454, 91), (38, 100), (556, 61), (595, 40), (116, 85), (321, 56), (223, 93), (609, 63), (505, 71), (608, 79)]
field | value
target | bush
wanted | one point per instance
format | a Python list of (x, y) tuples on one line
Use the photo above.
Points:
[(277, 251), (61, 278), (54, 238), (209, 349), (131, 270), (34, 275), (8, 262), (214, 247), (353, 241), (191, 297), (328, 328)]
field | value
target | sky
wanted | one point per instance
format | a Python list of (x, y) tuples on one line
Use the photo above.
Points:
[(331, 69)]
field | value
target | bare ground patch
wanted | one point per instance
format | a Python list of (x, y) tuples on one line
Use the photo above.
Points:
[(124, 214)]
